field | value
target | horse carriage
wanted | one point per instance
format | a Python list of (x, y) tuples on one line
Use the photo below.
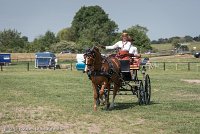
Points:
[(130, 66), (117, 73)]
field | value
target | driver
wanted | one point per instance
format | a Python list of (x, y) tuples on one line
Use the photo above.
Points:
[(124, 44)]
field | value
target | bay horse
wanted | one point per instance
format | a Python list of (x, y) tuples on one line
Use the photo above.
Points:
[(102, 71)]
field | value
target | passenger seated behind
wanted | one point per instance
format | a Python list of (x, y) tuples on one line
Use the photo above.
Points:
[(133, 49)]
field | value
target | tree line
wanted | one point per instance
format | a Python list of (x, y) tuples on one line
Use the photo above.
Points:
[(177, 41), (174, 40), (90, 26)]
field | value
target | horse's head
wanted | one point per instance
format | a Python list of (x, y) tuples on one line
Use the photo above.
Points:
[(92, 57)]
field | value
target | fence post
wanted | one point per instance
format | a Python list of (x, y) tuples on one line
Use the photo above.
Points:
[(188, 66), (164, 66), (28, 66)]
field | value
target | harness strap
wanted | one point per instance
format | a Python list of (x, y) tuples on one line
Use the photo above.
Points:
[(111, 68), (103, 73), (98, 73), (108, 74)]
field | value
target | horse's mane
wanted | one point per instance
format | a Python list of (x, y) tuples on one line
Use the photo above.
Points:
[(97, 52)]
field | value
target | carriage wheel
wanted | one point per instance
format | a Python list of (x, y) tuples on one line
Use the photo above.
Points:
[(147, 89), (141, 94)]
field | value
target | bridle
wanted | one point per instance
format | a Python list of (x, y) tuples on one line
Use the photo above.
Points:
[(92, 60), (89, 56)]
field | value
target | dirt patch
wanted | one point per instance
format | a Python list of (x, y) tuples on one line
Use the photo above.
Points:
[(43, 127), (192, 81), (94, 129)]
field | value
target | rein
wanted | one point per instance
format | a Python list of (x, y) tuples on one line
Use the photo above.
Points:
[(101, 72)]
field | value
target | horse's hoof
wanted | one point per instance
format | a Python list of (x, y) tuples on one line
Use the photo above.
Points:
[(98, 102), (102, 102), (95, 108), (107, 107), (111, 107)]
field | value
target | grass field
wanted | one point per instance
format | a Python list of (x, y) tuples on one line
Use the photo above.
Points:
[(61, 101), (168, 46)]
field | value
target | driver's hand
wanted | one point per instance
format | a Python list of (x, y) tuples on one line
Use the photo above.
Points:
[(103, 47)]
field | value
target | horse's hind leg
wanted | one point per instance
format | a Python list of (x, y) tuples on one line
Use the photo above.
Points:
[(116, 88), (107, 103)]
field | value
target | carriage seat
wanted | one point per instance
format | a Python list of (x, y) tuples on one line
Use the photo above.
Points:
[(135, 63), (134, 60)]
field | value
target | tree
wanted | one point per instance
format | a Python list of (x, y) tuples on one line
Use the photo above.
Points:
[(162, 40), (65, 35), (197, 38), (174, 38), (176, 43), (48, 39), (43, 43), (139, 34), (188, 38), (91, 25), (63, 45), (11, 41)]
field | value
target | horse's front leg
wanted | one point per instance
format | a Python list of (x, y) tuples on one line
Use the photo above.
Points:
[(103, 86), (95, 95), (102, 89)]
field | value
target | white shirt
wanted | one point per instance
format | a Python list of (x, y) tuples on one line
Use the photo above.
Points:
[(124, 46), (133, 50)]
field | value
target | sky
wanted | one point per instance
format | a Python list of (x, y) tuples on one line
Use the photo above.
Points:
[(163, 18)]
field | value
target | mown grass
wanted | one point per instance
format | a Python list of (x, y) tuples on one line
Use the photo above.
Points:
[(160, 47), (61, 101)]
